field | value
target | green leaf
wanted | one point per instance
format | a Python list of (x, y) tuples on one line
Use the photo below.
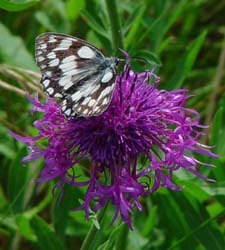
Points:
[(136, 240), (218, 131), (7, 221), (95, 24), (150, 222), (217, 188), (61, 210), (151, 57), (122, 239), (15, 5), (24, 227), (16, 182), (173, 219), (170, 14), (45, 20), (149, 27), (73, 8), (53, 17), (216, 139), (6, 151), (185, 63), (13, 50), (195, 190), (114, 235), (46, 238), (133, 31), (201, 227), (3, 200)]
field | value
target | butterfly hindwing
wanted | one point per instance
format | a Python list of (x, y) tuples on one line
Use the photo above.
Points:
[(90, 98), (76, 72)]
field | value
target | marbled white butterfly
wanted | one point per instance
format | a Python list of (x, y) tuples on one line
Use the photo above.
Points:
[(76, 72)]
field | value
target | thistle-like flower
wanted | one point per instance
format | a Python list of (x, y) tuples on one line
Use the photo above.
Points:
[(134, 147)]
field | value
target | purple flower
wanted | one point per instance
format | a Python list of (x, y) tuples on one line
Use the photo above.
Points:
[(134, 147)]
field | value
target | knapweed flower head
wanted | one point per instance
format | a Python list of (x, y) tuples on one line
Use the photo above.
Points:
[(134, 147)]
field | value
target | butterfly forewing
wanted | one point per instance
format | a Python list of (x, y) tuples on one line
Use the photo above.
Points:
[(76, 72)]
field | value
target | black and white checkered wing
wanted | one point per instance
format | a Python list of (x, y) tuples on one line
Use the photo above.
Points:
[(76, 72)]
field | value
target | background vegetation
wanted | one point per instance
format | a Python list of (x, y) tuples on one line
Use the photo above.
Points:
[(186, 40)]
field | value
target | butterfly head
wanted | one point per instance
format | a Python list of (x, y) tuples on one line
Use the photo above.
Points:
[(113, 61)]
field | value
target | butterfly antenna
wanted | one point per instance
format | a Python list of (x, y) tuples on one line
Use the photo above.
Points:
[(129, 58), (126, 55), (140, 59)]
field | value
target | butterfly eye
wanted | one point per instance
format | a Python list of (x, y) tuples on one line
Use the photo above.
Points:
[(77, 73)]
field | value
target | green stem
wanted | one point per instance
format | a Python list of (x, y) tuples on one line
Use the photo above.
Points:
[(93, 229), (115, 24)]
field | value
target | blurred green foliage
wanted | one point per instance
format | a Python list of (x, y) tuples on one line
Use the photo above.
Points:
[(185, 41)]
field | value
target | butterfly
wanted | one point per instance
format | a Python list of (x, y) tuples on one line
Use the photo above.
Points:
[(76, 72)]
